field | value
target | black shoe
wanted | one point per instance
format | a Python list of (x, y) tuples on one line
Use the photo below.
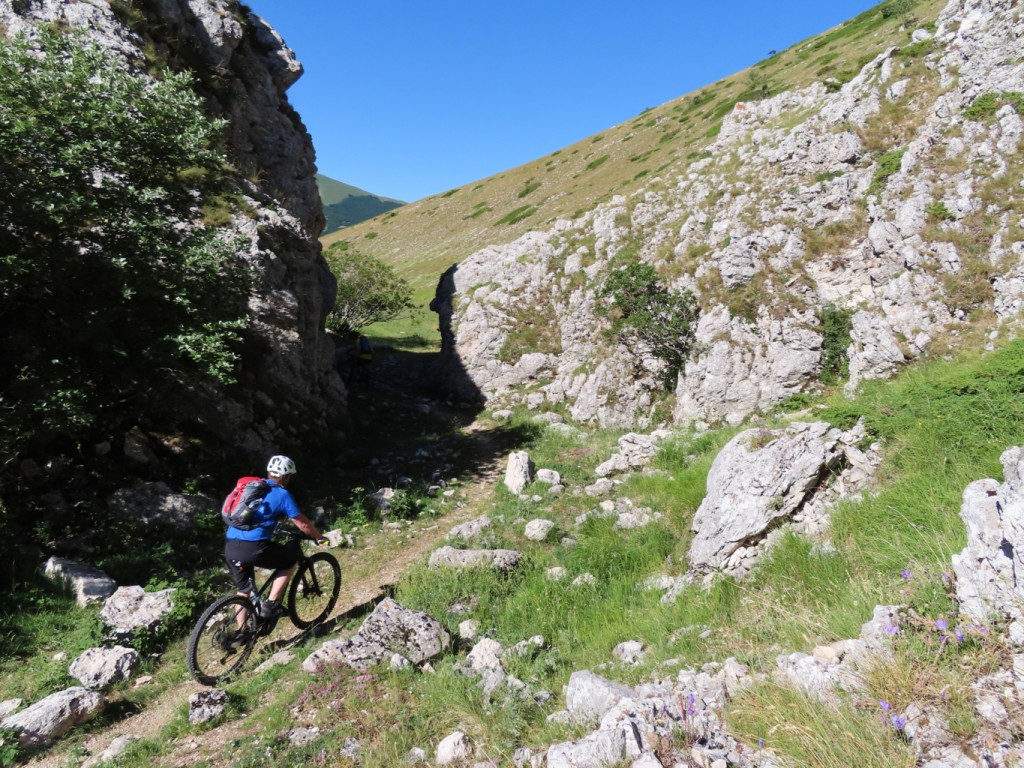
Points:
[(271, 609)]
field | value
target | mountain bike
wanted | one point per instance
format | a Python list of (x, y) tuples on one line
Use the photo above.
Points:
[(228, 630)]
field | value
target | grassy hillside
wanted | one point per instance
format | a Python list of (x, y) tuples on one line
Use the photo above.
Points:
[(424, 238), (345, 205), (892, 547)]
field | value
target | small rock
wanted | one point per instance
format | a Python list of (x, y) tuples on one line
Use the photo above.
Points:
[(537, 530), (549, 476), (602, 487), (556, 573), (204, 706), (398, 662), (585, 579), (454, 747), (277, 660), (468, 629), (415, 755), (116, 748), (300, 737)]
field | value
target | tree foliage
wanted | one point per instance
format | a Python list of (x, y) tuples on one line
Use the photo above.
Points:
[(369, 291), (112, 297), (646, 315)]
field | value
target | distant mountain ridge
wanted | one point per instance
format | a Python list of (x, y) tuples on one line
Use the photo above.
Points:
[(345, 205)]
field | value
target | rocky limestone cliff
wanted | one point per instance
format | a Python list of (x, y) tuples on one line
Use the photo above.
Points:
[(881, 198), (289, 390)]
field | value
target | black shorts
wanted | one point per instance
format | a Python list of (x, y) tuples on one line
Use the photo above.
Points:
[(242, 556)]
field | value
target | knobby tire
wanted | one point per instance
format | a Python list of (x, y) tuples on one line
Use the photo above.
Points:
[(218, 647), (314, 590)]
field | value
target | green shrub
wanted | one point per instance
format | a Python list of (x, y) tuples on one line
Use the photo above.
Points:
[(938, 210), (913, 50), (986, 105), (369, 291), (897, 8), (645, 314), (102, 279), (836, 326), (597, 163), (514, 217), (531, 186), (888, 164)]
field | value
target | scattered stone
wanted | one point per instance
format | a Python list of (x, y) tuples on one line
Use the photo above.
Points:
[(338, 538), (635, 451), (206, 705), (141, 681), (398, 662), (602, 487), (98, 668), (584, 579), (454, 747), (524, 648), (470, 530), (415, 755), (89, 584), (390, 628), (278, 659), (381, 498), (629, 652), (59, 656), (502, 415), (449, 557), (519, 472), (116, 748), (132, 608), (468, 629), (351, 749), (52, 717), (537, 530), (555, 573), (485, 656), (549, 476), (300, 737)]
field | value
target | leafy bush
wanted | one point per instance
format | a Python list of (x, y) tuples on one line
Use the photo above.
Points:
[(836, 327), (646, 314), (939, 210), (369, 291), (103, 280), (986, 105), (888, 164), (597, 163)]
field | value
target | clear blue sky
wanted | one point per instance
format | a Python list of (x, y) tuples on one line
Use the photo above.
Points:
[(413, 97)]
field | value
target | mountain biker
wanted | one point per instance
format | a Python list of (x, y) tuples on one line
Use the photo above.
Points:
[(245, 549)]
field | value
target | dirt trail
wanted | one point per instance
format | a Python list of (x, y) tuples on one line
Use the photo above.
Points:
[(402, 421)]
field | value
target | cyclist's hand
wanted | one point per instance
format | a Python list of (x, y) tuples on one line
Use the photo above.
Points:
[(323, 541)]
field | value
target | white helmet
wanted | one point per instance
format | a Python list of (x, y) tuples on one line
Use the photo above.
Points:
[(279, 466)]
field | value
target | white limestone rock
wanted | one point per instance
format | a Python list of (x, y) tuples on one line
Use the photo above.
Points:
[(519, 472), (538, 530), (131, 609), (453, 748), (90, 585), (499, 559), (98, 668), (50, 718)]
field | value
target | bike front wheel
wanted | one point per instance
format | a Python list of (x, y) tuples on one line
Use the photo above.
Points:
[(314, 590), (222, 639)]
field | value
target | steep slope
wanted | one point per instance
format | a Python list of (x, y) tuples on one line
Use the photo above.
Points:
[(881, 217), (425, 237), (345, 205)]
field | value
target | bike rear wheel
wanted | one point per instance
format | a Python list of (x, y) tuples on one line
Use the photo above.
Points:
[(222, 639), (314, 590)]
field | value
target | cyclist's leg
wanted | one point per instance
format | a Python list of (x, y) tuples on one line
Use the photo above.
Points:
[(281, 558), (238, 555)]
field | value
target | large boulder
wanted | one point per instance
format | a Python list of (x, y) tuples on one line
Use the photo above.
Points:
[(155, 504), (97, 668), (764, 478), (131, 609), (500, 559), (51, 718), (89, 584), (988, 568), (391, 628)]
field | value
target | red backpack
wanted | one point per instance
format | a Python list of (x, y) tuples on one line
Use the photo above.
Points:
[(241, 507)]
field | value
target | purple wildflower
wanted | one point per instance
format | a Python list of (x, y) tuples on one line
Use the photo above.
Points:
[(891, 629), (941, 625), (944, 694), (898, 722), (907, 574), (760, 743), (885, 705), (946, 577), (959, 635)]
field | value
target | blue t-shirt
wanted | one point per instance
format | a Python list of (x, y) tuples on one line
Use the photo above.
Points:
[(276, 506)]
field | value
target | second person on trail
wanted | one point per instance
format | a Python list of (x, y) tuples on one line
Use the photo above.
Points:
[(246, 549)]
